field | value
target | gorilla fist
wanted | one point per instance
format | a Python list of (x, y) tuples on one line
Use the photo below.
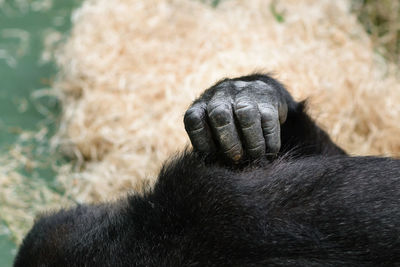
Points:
[(239, 117)]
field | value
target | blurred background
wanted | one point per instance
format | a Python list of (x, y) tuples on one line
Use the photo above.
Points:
[(24, 26), (65, 74)]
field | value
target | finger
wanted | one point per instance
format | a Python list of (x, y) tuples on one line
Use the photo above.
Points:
[(283, 110), (222, 123), (196, 126), (249, 119), (271, 127)]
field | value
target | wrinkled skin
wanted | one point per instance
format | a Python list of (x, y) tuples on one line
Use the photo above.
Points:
[(264, 186), (241, 117)]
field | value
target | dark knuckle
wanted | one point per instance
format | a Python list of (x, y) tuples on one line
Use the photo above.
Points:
[(246, 111), (247, 118), (190, 112), (258, 146), (249, 127), (268, 115), (220, 114), (193, 118), (217, 106), (233, 149), (269, 127), (244, 105)]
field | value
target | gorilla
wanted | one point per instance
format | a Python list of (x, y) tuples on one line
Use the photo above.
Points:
[(262, 186)]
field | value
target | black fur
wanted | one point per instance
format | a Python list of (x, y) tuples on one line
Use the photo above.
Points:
[(311, 206)]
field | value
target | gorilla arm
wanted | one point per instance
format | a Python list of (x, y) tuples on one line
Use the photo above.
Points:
[(252, 116)]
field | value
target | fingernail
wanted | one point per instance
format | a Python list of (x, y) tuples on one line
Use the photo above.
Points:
[(237, 157)]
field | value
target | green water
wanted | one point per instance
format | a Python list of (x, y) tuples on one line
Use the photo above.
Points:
[(24, 24)]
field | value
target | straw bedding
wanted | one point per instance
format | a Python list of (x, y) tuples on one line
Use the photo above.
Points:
[(130, 68)]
